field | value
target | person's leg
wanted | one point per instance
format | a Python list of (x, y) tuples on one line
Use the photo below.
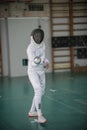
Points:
[(33, 106), (32, 112), (41, 118), (42, 81), (34, 79)]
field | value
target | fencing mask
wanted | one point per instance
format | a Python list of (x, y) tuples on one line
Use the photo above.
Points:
[(38, 35)]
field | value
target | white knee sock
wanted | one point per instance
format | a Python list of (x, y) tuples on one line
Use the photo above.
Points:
[(33, 105), (38, 104)]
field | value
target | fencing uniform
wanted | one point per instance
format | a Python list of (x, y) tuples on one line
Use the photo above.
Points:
[(36, 72)]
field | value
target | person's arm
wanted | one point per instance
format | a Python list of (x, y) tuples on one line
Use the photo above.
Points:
[(46, 63), (31, 55), (45, 60)]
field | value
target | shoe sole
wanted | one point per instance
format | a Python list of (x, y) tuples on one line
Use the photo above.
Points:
[(32, 116), (42, 122)]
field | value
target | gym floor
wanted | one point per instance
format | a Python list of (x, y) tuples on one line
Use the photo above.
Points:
[(64, 103)]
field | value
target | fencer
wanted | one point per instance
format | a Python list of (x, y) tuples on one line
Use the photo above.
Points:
[(36, 72)]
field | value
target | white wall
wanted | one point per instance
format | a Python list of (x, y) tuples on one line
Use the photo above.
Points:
[(19, 30), (15, 36)]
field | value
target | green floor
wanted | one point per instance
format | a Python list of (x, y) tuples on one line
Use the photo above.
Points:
[(64, 103)]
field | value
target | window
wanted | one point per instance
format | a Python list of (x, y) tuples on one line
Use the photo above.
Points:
[(36, 7)]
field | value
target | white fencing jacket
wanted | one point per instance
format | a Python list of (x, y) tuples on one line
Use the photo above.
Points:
[(34, 50)]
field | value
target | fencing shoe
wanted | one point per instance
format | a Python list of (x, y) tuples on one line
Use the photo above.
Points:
[(32, 114), (41, 119)]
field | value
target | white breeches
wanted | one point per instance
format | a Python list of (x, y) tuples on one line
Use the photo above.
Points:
[(37, 80)]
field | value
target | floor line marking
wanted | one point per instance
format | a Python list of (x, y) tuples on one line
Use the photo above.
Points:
[(52, 90), (68, 106), (70, 91), (13, 98), (81, 102), (74, 92)]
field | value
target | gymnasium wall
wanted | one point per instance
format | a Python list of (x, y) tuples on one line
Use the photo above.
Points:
[(21, 9), (68, 20), (18, 37), (17, 21)]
